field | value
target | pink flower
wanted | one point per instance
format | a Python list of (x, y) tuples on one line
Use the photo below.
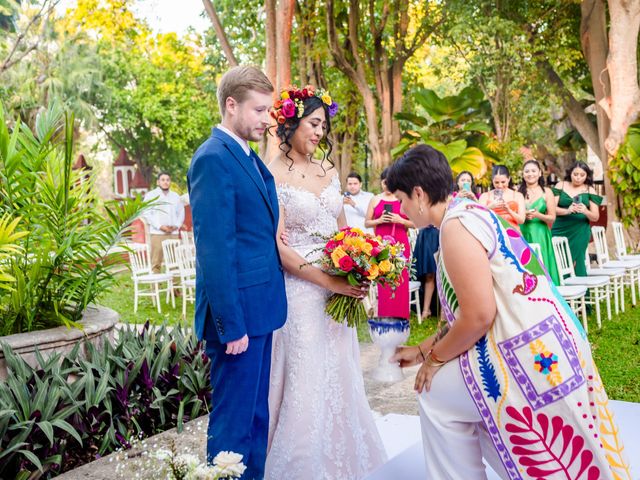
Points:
[(346, 264), (330, 246), (288, 108), (375, 251)]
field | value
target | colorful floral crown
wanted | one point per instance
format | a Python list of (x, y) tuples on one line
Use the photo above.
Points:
[(291, 102)]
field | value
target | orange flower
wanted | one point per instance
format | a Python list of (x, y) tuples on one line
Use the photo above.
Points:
[(281, 119), (373, 272)]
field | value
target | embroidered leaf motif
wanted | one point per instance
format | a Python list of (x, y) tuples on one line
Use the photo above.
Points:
[(609, 431), (537, 347), (554, 378), (548, 447), (489, 378)]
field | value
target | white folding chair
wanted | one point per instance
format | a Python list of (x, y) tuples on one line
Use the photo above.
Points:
[(616, 275), (187, 268), (575, 295), (170, 257), (187, 238), (414, 298), (598, 286), (537, 249), (631, 267), (142, 275), (621, 244)]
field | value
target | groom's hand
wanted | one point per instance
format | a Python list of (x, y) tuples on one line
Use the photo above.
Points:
[(238, 346)]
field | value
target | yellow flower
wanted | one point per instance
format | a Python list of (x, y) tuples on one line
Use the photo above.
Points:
[(284, 95), (326, 99), (393, 251), (373, 272), (339, 236), (336, 255), (366, 248), (385, 266), (357, 231)]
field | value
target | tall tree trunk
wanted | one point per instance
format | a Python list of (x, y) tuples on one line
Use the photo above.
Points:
[(572, 107), (269, 144), (595, 48), (382, 63), (622, 66), (220, 33), (594, 41), (284, 24)]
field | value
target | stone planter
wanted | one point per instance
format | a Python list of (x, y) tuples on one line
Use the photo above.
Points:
[(97, 323)]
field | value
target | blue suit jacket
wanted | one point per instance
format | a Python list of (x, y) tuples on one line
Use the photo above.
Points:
[(239, 277)]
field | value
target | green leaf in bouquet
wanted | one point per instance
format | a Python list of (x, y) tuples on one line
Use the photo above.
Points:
[(383, 255), (352, 280)]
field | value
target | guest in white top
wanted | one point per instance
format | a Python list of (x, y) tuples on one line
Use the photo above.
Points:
[(165, 218), (356, 202)]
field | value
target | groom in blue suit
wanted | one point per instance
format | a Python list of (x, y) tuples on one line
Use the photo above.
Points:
[(240, 294)]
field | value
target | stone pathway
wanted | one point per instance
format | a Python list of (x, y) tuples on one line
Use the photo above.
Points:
[(138, 462)]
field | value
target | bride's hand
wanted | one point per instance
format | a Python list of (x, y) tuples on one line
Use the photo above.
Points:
[(341, 285)]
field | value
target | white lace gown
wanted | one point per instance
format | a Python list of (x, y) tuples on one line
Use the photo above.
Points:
[(321, 426)]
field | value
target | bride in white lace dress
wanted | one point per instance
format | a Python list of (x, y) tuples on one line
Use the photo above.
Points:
[(321, 426)]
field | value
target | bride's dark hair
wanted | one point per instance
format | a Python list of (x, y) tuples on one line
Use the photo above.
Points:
[(286, 131)]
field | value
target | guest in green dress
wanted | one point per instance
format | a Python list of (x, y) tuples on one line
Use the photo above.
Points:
[(577, 206), (541, 213)]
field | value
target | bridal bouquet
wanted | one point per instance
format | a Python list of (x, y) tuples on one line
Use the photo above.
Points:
[(360, 257)]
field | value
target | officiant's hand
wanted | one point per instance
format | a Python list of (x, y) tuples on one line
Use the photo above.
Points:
[(424, 377), (406, 356), (238, 346)]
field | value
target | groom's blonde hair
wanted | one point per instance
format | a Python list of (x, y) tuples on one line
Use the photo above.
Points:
[(238, 81)]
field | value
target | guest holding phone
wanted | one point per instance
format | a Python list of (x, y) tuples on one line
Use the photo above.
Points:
[(465, 186), (577, 206), (384, 216), (541, 213), (506, 203)]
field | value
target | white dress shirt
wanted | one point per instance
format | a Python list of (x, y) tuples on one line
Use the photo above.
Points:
[(169, 210), (356, 215), (241, 142)]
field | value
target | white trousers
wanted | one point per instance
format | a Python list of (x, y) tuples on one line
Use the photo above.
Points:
[(454, 437)]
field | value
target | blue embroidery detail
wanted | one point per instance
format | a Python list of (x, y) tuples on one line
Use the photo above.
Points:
[(503, 244), (489, 378)]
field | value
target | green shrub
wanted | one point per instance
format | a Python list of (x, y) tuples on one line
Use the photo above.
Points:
[(63, 261), (70, 410)]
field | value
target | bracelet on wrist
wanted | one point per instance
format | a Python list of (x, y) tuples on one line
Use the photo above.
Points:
[(421, 353), (433, 360)]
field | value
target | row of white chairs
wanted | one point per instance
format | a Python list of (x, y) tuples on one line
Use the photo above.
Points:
[(179, 272), (608, 279)]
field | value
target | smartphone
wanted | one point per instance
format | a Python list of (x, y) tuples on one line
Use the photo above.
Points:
[(347, 194), (387, 208), (466, 186), (497, 194), (576, 199)]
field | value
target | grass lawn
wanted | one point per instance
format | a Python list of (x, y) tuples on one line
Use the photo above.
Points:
[(616, 347), (120, 299)]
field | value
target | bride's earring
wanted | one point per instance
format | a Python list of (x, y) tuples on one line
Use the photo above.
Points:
[(420, 209)]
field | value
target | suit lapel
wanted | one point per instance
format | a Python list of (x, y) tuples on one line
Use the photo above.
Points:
[(246, 162)]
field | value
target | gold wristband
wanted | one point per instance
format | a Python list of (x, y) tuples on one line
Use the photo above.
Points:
[(433, 361)]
